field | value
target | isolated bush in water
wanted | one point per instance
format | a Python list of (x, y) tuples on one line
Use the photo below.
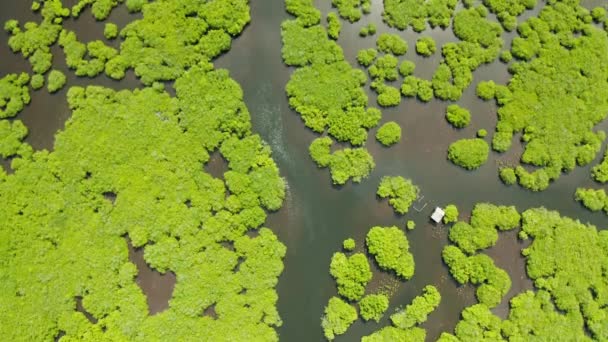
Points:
[(401, 192), (457, 116), (469, 153), (391, 43), (389, 133)]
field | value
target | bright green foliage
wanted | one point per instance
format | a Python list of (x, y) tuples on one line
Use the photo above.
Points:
[(61, 239), (348, 9), (478, 324), (391, 333), (390, 248), (367, 56), (308, 45), (100, 8), (391, 43), (418, 311), (469, 153), (557, 96), (169, 38), (35, 40), (457, 116), (320, 151), (479, 269), (600, 171), (14, 94), (110, 31), (56, 81), (349, 244), (389, 133), (400, 191), (416, 13), (425, 46), (351, 274), (406, 68), (506, 57), (409, 88), (388, 96), (368, 30), (345, 164), (485, 219), (451, 214), (486, 90), (594, 200), (410, 225), (339, 315), (567, 259), (508, 176), (350, 163), (599, 14), (425, 90), (12, 134), (373, 307), (333, 25), (480, 43), (482, 133), (507, 10), (325, 94), (85, 59), (481, 233), (37, 81), (307, 15), (135, 5), (384, 68)]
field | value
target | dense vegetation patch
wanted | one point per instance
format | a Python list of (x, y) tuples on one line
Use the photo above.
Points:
[(555, 95), (354, 164), (390, 249), (405, 322), (469, 153), (327, 91), (592, 199), (457, 116), (480, 43), (425, 46), (391, 43), (416, 13), (372, 307), (63, 240), (401, 192), (568, 298), (389, 133), (351, 274), (339, 315)]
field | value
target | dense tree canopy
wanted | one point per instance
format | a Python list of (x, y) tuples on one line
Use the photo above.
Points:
[(469, 153), (389, 133), (63, 240), (457, 116), (390, 248), (425, 46), (372, 307), (556, 120), (351, 274), (416, 13), (339, 315), (401, 192)]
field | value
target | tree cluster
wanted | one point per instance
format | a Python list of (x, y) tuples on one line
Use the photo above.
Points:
[(401, 192), (390, 249), (469, 153)]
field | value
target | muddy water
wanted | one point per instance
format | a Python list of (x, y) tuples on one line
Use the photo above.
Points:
[(317, 217)]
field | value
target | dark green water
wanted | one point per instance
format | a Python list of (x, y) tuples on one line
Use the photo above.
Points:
[(316, 216)]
